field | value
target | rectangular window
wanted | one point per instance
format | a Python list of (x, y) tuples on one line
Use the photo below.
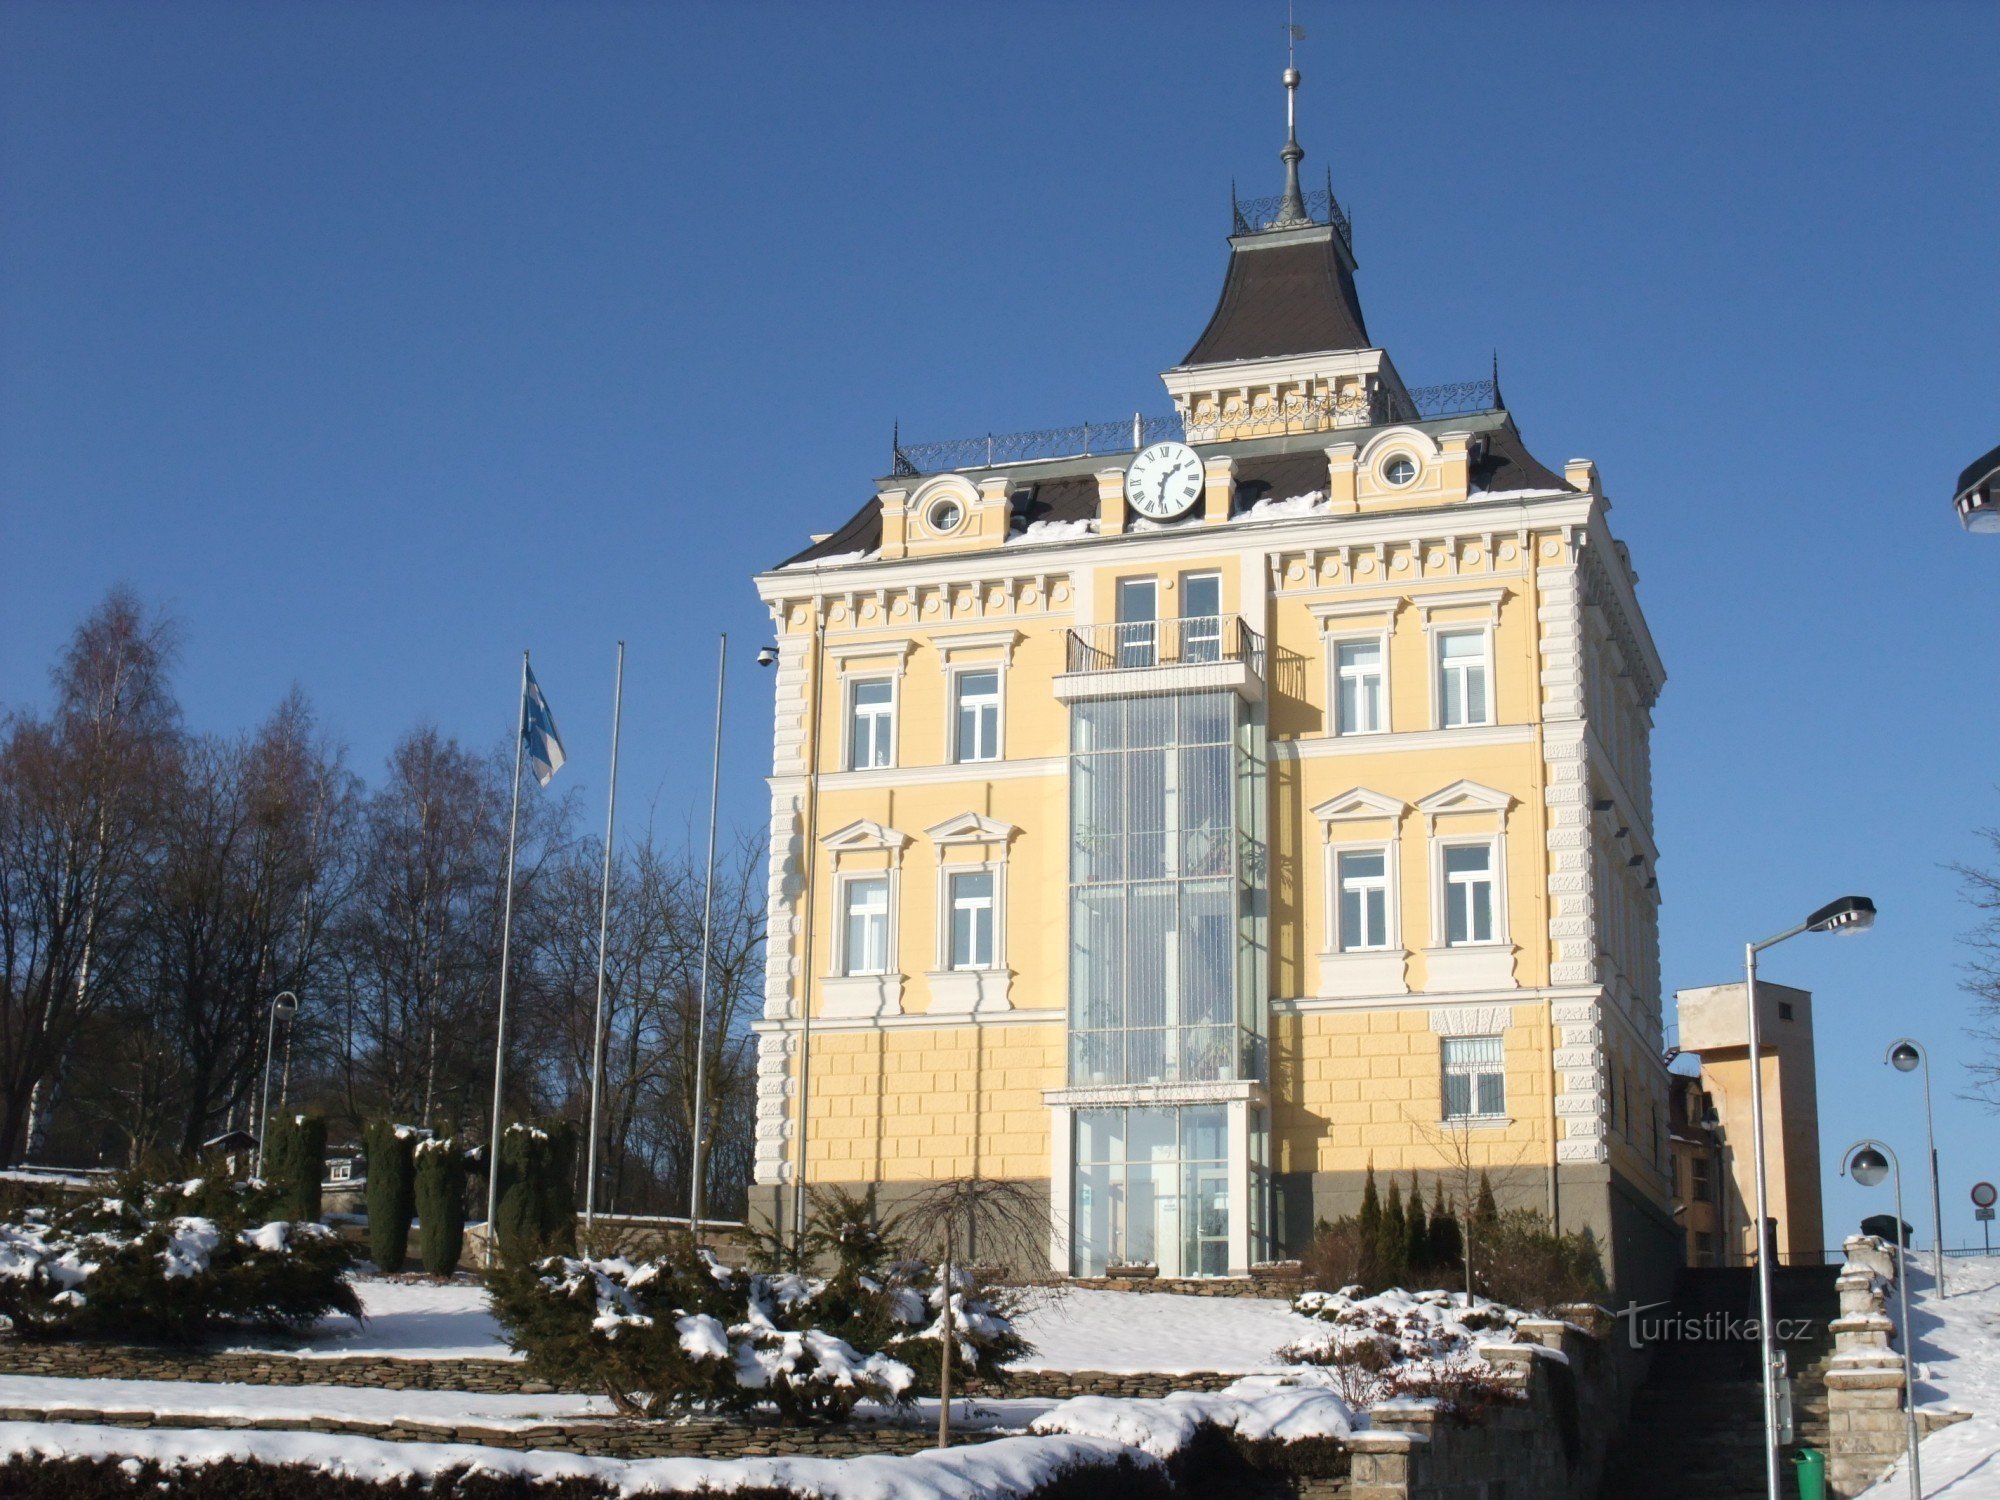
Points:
[(866, 944), (1138, 622), (1468, 894), (977, 715), (1475, 1079), (971, 920), (1462, 689), (1358, 690), (871, 723), (1701, 1185), (1364, 899), (1201, 617)]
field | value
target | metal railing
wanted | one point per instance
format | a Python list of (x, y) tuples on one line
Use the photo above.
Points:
[(1124, 435), (1198, 640), (1254, 215)]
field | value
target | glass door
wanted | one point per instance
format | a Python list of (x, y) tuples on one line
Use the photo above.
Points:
[(1138, 622), (1201, 617)]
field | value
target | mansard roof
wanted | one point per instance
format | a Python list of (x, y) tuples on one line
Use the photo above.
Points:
[(1287, 291)]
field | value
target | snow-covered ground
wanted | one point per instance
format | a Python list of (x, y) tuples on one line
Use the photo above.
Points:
[(1958, 1366), (195, 1398), (413, 1320), (1075, 1329)]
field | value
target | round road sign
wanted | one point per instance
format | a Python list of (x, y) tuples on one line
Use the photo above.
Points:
[(1984, 1195)]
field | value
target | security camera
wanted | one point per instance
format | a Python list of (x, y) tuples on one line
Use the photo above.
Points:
[(767, 656)]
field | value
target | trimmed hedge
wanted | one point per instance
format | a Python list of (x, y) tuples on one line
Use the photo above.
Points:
[(294, 1163), (441, 1179), (392, 1193), (537, 1208)]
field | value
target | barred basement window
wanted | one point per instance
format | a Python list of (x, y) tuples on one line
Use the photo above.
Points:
[(1475, 1079)]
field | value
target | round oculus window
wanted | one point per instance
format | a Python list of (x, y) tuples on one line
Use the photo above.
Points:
[(1399, 470), (945, 516)]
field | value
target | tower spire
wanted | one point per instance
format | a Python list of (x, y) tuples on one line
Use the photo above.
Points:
[(1292, 210)]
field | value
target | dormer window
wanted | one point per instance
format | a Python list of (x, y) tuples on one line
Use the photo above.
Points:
[(1398, 470), (945, 517)]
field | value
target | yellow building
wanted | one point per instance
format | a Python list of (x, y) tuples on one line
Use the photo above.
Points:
[(1184, 813)]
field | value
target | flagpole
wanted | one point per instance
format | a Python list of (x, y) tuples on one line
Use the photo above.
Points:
[(603, 930), (707, 918), (506, 944)]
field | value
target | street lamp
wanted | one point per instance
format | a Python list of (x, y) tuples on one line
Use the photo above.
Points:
[(1978, 498), (1848, 914), (285, 1004), (1904, 1057), (1868, 1162)]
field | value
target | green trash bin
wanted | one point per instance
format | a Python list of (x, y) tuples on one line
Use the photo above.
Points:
[(1811, 1466)]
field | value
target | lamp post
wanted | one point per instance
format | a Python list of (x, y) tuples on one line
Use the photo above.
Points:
[(1848, 914), (1904, 1057), (1977, 499), (284, 1004), (1868, 1162)]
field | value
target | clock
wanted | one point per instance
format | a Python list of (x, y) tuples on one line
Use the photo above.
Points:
[(1164, 481)]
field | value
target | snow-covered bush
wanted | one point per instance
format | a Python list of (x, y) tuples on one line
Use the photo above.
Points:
[(169, 1264), (684, 1331), (1403, 1344)]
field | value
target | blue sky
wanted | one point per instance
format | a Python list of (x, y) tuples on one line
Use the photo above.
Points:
[(378, 341)]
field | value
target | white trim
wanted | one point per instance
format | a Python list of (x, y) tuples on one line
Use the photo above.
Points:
[(844, 654), (1299, 1005), (1496, 854), (1465, 795), (1357, 804), (847, 717), (946, 873), (1470, 1019), (970, 828), (970, 773), (1149, 1095), (1232, 676), (1334, 640), (1014, 1017), (1004, 641), (1318, 747), (1490, 598), (956, 673), (1434, 637), (1392, 914), (840, 961), (1330, 611), (866, 833)]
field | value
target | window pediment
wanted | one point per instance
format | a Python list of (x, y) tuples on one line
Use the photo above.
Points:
[(1359, 802), (865, 833), (971, 828)]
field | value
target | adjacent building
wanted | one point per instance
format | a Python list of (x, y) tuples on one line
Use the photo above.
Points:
[(1180, 815)]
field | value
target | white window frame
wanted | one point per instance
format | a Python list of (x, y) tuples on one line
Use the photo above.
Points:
[(955, 676), (847, 717), (1496, 843), (1379, 639), (843, 966), (1474, 1072), (1438, 634), (947, 873), (1392, 907), (1181, 619)]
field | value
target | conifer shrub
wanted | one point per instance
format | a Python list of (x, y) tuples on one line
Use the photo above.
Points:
[(681, 1331), (295, 1163), (537, 1199), (392, 1195), (440, 1195), (169, 1263)]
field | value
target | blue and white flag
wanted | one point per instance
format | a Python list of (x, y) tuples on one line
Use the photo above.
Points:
[(538, 733)]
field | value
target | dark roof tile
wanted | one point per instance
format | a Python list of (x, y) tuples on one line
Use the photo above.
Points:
[(1294, 296)]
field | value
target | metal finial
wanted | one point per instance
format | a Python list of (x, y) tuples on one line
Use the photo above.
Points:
[(1498, 404), (1292, 210)]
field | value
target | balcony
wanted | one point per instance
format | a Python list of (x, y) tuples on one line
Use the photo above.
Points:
[(1194, 654)]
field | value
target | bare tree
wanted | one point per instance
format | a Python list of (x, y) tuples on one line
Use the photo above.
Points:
[(79, 804), (1982, 973)]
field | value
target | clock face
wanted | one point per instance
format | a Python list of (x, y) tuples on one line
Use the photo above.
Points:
[(1164, 481)]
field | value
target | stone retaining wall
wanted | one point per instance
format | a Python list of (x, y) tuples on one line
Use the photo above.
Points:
[(482, 1376), (1867, 1425), (1549, 1443), (703, 1438)]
